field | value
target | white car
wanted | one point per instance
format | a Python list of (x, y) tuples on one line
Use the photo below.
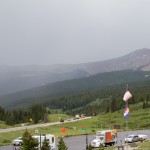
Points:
[(17, 142), (132, 138)]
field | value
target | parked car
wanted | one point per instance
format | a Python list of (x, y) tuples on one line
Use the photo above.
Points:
[(132, 138), (69, 119), (61, 120), (17, 142), (142, 137)]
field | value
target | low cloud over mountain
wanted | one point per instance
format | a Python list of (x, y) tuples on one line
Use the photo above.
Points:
[(18, 78)]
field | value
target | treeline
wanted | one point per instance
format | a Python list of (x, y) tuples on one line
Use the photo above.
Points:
[(34, 114), (96, 101)]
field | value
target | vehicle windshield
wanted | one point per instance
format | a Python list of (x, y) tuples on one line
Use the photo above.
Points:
[(99, 137), (130, 136), (19, 138)]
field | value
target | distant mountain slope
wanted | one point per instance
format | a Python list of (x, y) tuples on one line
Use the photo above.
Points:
[(139, 59), (18, 78), (73, 86)]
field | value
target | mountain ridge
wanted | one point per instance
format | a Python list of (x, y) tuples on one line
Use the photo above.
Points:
[(18, 78)]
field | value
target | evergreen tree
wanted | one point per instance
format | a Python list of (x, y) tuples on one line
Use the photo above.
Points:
[(113, 105), (101, 147), (90, 147), (28, 142), (62, 145), (107, 109), (132, 101), (45, 145), (2, 113), (147, 97), (144, 105), (45, 117)]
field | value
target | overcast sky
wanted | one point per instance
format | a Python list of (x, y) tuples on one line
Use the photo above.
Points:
[(71, 31)]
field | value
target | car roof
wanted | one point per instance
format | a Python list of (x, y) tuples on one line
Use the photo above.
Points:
[(132, 135), (18, 138)]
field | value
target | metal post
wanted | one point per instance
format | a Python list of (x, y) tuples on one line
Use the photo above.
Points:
[(126, 131), (40, 141), (126, 126), (127, 119), (86, 141)]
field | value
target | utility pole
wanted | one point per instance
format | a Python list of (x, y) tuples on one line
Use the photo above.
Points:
[(127, 118), (86, 141)]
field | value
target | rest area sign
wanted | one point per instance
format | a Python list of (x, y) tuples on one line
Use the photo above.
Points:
[(83, 127)]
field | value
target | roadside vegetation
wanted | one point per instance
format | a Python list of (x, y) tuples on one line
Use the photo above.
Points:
[(143, 145)]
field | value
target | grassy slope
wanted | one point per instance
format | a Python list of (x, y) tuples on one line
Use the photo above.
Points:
[(144, 146), (3, 125), (56, 117)]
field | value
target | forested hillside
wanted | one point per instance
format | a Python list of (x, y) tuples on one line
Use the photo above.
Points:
[(55, 94), (91, 102), (100, 100)]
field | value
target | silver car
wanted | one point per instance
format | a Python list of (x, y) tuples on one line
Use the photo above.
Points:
[(132, 138)]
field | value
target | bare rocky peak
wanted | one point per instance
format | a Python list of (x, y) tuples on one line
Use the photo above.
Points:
[(139, 59)]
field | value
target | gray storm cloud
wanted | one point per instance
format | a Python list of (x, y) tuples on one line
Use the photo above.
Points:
[(58, 32)]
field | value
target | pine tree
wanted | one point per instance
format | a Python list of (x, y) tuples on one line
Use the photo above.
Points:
[(28, 142), (45, 145), (107, 109), (61, 145), (144, 105), (113, 105), (147, 98), (101, 147), (90, 147)]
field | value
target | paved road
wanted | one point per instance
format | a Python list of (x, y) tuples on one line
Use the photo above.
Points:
[(79, 142), (38, 125)]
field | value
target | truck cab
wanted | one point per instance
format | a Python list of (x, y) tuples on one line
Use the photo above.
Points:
[(97, 141), (107, 137)]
